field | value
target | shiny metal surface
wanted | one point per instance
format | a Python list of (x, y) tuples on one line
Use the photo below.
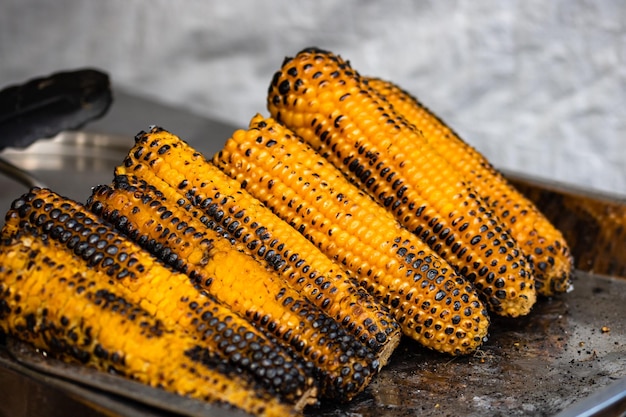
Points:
[(535, 366), (66, 163)]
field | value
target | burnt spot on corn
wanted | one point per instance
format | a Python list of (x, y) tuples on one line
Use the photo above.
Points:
[(105, 299), (385, 155), (97, 243), (66, 338), (344, 382), (390, 263)]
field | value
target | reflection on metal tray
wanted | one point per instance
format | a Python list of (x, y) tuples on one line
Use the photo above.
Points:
[(535, 366), (70, 163)]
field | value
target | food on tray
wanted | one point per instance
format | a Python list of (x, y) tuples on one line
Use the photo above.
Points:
[(263, 298), (323, 100), (543, 244), (221, 204), (50, 298), (433, 304), (291, 282)]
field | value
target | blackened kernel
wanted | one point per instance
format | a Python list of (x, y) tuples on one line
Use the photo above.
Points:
[(283, 87)]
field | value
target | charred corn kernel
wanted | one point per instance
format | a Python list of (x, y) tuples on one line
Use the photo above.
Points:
[(433, 304), (170, 296), (240, 281), (543, 244), (50, 299), (323, 100), (160, 158)]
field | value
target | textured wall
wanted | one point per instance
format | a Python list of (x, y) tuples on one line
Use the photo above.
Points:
[(538, 86)]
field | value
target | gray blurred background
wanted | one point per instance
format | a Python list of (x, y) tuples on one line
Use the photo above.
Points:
[(538, 86)]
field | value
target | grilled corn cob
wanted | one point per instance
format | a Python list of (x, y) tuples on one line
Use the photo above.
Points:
[(226, 207), (338, 295), (434, 305), (49, 298), (168, 295), (543, 244), (238, 280), (323, 100)]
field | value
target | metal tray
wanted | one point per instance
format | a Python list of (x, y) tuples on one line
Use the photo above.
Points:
[(568, 356)]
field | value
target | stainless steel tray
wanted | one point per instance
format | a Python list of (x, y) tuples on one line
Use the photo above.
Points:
[(539, 365)]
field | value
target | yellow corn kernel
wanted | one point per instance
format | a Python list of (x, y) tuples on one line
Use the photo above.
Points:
[(266, 298)]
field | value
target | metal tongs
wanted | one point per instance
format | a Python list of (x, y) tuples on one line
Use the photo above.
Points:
[(43, 107)]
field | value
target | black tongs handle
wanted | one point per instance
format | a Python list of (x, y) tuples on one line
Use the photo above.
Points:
[(45, 106)]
